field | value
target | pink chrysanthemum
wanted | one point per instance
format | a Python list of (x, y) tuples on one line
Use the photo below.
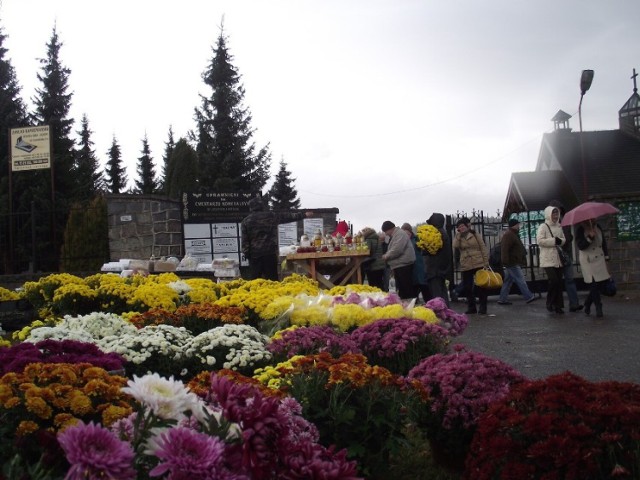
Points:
[(187, 454), (96, 453)]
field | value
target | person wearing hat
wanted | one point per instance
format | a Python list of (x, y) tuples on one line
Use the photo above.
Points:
[(549, 237), (473, 257), (513, 256), (259, 234), (400, 257)]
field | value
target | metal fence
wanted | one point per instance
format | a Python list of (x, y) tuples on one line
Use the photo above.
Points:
[(33, 241)]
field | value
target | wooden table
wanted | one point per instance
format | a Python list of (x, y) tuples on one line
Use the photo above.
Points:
[(349, 273)]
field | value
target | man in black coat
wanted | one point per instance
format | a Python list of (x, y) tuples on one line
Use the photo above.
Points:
[(438, 267)]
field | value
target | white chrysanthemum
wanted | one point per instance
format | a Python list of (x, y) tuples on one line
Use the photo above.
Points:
[(139, 345), (240, 345), (58, 333), (167, 398), (98, 324), (180, 287)]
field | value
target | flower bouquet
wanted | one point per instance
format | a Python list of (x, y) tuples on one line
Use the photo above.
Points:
[(461, 387), (560, 427), (429, 239)]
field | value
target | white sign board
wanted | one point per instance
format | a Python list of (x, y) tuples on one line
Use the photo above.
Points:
[(287, 234), (311, 225), (30, 148)]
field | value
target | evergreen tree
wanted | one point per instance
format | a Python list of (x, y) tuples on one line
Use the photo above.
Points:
[(283, 195), (50, 191), (146, 181), (89, 177), (182, 170), (115, 172), (227, 156), (13, 113), (53, 104), (168, 149)]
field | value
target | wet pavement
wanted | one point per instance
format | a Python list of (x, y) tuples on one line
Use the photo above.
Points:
[(539, 343)]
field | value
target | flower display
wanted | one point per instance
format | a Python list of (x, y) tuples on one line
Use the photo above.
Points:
[(311, 340), (8, 295), (399, 344), (74, 299), (559, 427), (95, 452), (429, 239), (196, 318), (461, 386), (156, 348), (355, 405), (454, 322), (45, 398), (348, 316), (234, 347), (18, 356)]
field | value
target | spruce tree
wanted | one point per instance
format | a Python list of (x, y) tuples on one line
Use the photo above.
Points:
[(13, 113), (228, 158), (283, 195), (182, 170), (146, 181), (53, 103), (89, 177), (115, 172), (168, 149)]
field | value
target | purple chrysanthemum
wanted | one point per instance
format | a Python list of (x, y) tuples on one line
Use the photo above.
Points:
[(312, 340), (453, 321), (96, 453), (187, 454)]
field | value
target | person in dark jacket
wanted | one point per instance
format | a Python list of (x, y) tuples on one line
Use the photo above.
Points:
[(438, 267), (259, 232), (513, 255), (373, 267), (419, 280)]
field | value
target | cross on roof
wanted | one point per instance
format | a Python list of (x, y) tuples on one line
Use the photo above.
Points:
[(633, 77)]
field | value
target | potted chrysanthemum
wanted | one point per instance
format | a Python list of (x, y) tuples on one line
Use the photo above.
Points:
[(461, 386), (560, 427)]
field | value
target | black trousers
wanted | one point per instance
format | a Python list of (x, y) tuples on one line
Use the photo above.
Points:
[(376, 278), (471, 291), (404, 281), (554, 292), (265, 266), (438, 288)]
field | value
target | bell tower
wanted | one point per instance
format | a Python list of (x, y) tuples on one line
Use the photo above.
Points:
[(629, 114)]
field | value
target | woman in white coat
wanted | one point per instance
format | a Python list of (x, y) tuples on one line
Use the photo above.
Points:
[(592, 256), (549, 237)]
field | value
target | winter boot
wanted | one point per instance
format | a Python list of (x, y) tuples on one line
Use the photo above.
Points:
[(599, 310), (587, 306)]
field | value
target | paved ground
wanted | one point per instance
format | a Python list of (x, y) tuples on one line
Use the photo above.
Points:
[(539, 343)]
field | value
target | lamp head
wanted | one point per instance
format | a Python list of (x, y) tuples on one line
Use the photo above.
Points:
[(585, 81)]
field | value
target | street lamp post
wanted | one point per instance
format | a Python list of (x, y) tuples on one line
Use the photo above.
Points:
[(585, 83)]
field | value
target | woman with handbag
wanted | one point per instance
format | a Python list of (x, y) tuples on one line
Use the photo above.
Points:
[(550, 238), (473, 257), (592, 255)]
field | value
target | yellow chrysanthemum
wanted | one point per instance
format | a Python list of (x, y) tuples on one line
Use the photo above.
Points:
[(429, 239), (390, 311), (347, 316), (424, 313)]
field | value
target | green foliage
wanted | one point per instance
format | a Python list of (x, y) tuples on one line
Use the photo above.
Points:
[(182, 170), (283, 195), (90, 180), (116, 176), (227, 156), (168, 150), (146, 181), (86, 237)]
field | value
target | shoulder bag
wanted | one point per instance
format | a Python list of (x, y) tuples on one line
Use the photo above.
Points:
[(562, 255), (486, 277)]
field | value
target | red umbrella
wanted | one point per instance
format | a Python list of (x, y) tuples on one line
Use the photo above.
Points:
[(587, 211)]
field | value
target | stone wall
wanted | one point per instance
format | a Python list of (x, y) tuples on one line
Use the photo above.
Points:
[(143, 225)]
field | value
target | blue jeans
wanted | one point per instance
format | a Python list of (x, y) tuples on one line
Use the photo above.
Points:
[(570, 285), (514, 275)]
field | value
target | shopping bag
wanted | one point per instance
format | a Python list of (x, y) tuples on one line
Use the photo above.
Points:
[(487, 278), (608, 288)]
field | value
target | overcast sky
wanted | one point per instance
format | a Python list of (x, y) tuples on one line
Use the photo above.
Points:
[(385, 109)]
